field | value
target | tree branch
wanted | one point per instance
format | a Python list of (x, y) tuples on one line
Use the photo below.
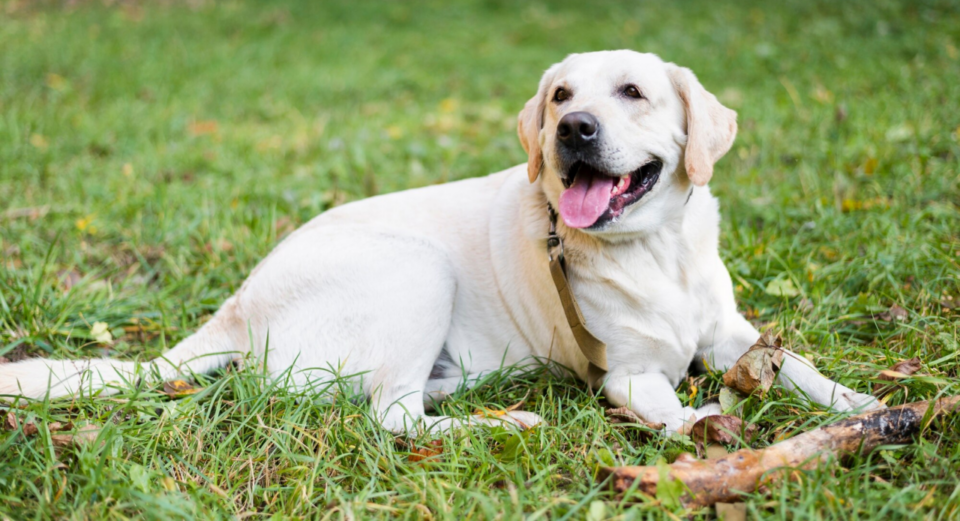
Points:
[(724, 479)]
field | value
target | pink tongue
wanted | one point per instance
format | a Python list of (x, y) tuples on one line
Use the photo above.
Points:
[(584, 202)]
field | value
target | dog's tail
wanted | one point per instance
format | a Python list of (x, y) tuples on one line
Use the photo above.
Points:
[(211, 347)]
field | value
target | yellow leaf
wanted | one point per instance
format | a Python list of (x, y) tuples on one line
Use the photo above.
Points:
[(101, 333), (179, 388), (850, 205), (56, 82), (449, 105), (395, 132), (822, 94), (83, 223), (38, 141), (128, 169)]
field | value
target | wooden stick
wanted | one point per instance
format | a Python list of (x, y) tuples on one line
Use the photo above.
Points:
[(724, 479)]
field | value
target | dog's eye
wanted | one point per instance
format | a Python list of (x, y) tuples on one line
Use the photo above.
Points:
[(631, 91), (561, 95)]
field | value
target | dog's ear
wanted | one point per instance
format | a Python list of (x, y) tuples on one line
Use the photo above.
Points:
[(711, 127), (530, 122)]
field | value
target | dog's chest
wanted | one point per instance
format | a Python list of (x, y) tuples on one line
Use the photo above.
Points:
[(647, 304)]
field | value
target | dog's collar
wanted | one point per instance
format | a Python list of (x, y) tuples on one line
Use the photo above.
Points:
[(592, 348)]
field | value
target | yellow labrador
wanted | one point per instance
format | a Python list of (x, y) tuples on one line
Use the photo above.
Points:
[(423, 292)]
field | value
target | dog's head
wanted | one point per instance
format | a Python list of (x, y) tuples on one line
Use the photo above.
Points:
[(618, 137)]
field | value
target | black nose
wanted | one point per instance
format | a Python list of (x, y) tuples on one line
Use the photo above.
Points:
[(577, 129)]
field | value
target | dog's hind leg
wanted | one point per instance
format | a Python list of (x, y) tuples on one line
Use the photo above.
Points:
[(211, 347)]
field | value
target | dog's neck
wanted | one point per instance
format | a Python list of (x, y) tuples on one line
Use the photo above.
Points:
[(665, 248)]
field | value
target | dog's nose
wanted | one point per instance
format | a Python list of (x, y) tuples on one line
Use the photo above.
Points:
[(577, 129)]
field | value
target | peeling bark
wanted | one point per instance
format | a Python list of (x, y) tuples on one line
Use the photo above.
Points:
[(724, 479)]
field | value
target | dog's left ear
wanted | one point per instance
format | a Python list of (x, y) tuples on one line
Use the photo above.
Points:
[(530, 122), (711, 127)]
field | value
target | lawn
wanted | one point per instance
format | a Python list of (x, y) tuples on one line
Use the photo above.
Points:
[(152, 152)]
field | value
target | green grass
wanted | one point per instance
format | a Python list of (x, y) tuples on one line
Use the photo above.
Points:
[(152, 153)]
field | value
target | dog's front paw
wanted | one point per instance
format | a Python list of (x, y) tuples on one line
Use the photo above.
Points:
[(854, 401)]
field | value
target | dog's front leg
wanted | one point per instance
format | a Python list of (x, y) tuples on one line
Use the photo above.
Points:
[(652, 397), (797, 374)]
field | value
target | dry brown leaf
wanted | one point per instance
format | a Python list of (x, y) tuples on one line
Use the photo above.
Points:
[(433, 448), (625, 415), (721, 429), (57, 426), (768, 338), (200, 128), (86, 434), (898, 371), (179, 388), (10, 422), (30, 429), (758, 367), (68, 279), (893, 314), (732, 511)]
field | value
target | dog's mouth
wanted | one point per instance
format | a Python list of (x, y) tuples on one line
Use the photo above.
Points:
[(593, 197)]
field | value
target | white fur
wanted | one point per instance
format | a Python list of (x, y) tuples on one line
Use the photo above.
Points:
[(379, 287)]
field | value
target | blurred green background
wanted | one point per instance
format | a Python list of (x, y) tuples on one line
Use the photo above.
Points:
[(152, 152)]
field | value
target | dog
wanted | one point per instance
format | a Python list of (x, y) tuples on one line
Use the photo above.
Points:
[(423, 292)]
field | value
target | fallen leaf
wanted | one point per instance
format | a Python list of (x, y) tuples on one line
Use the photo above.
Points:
[(841, 113), (179, 388), (10, 423), (68, 279), (782, 288), (730, 402), (56, 81), (32, 213), (894, 313), (100, 332), (721, 429), (625, 415), (732, 511), (38, 141), (597, 511), (57, 426), (30, 429), (84, 224), (85, 434), (758, 367), (200, 128), (898, 371), (433, 448)]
